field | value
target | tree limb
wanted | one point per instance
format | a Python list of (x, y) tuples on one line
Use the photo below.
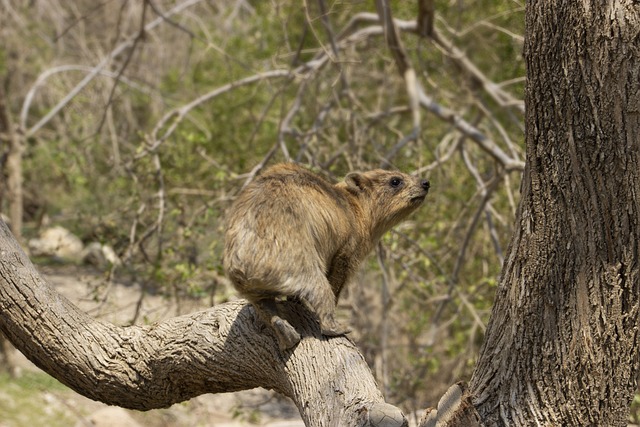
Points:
[(349, 34), (426, 15), (471, 132), (404, 68), (96, 70), (218, 350), (502, 97)]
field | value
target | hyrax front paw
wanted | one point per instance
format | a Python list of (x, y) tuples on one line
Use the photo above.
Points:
[(333, 329), (287, 336)]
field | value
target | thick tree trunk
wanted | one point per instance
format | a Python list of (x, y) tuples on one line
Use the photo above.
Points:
[(561, 348), (219, 350)]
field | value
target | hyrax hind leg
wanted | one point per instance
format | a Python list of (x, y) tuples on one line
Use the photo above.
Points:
[(322, 301), (267, 311)]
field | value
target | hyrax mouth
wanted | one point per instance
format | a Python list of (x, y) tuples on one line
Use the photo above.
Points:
[(418, 199), (424, 187)]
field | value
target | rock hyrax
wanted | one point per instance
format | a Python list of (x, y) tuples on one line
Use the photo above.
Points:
[(293, 233)]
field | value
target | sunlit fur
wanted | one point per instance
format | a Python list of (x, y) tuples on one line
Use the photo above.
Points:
[(293, 233)]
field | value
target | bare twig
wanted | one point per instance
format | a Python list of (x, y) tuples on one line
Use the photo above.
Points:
[(82, 18), (161, 201), (265, 110), (501, 130), (318, 122), (127, 60), (426, 101), (472, 132), (45, 75), (257, 168), (178, 114), (95, 71), (305, 7), (486, 22), (169, 21), (446, 144), (494, 90), (385, 298), (494, 234), (406, 71), (324, 18), (12, 165), (391, 36), (285, 123), (486, 192), (472, 310)]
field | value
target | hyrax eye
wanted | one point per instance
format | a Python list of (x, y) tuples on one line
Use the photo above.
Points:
[(396, 182)]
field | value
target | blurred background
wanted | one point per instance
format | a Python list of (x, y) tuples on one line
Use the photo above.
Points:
[(128, 127)]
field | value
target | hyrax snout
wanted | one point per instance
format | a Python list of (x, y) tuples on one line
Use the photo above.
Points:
[(293, 233)]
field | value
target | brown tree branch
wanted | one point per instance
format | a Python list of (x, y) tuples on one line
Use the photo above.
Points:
[(494, 90), (122, 47), (13, 164), (349, 34), (404, 68), (169, 122), (218, 350), (391, 36), (127, 60), (426, 15), (471, 132)]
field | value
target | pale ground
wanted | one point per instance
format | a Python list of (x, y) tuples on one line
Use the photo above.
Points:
[(86, 289)]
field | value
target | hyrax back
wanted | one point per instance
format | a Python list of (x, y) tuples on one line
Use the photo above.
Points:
[(292, 233)]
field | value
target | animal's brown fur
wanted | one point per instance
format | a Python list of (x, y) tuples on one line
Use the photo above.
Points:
[(293, 233)]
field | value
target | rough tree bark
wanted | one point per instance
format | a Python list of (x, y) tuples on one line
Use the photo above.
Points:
[(561, 348), (218, 350)]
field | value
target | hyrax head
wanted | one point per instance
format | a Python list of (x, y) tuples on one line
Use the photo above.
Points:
[(387, 197)]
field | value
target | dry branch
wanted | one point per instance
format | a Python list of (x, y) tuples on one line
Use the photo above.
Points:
[(404, 68), (350, 34), (218, 350), (10, 136), (494, 90), (173, 118), (98, 69)]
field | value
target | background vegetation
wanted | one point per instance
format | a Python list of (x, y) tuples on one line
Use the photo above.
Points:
[(139, 121)]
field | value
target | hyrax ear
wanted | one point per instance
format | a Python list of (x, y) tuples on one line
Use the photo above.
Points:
[(357, 182)]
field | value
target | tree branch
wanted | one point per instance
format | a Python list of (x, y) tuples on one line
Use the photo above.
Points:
[(179, 113), (218, 350), (426, 15), (471, 132), (404, 68), (349, 34), (502, 97), (95, 71)]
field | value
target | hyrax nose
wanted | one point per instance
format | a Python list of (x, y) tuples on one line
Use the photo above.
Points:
[(425, 184)]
